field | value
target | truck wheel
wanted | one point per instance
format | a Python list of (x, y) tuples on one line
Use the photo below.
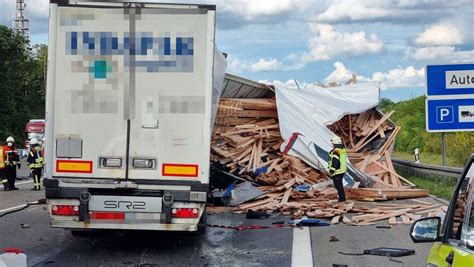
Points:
[(201, 228)]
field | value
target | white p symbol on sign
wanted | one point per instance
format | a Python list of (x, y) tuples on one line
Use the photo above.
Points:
[(444, 115)]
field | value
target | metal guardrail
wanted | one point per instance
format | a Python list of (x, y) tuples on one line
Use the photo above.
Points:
[(425, 169)]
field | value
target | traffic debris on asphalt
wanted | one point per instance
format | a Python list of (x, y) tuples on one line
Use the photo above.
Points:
[(247, 142)]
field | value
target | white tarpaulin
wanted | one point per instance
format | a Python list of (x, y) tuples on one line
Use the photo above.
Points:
[(310, 110)]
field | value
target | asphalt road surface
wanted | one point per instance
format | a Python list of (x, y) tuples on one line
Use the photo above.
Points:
[(29, 230)]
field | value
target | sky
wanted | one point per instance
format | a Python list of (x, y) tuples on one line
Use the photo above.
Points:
[(280, 41)]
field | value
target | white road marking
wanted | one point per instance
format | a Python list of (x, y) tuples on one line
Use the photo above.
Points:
[(302, 254), (12, 208), (24, 182)]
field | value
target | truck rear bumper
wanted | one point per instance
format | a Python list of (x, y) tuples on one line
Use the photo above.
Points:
[(124, 226), (137, 208)]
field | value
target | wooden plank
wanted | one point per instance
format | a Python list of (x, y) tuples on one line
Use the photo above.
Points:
[(381, 132), (392, 220), (335, 219), (413, 217), (351, 140), (256, 203), (405, 219), (392, 172), (346, 220), (286, 196), (421, 202), (386, 216), (382, 120), (389, 142)]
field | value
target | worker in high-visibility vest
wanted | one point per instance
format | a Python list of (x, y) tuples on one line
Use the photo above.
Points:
[(337, 166), (12, 161), (35, 162)]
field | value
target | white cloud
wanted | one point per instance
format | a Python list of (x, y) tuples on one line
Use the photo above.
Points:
[(340, 74), (439, 53), (255, 9), (328, 43), (400, 11), (235, 14), (353, 10), (394, 78), (264, 64), (440, 35), (399, 77)]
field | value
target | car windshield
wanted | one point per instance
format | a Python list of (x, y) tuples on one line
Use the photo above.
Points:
[(467, 234)]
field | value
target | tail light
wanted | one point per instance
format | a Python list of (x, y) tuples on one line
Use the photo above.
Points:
[(184, 213), (65, 210), (107, 215)]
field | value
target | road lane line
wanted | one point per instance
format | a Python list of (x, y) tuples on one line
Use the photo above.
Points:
[(25, 182), (13, 208), (302, 254)]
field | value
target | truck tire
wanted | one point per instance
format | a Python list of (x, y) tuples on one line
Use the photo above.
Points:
[(201, 227)]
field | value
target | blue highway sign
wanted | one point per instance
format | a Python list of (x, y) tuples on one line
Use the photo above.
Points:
[(449, 115), (445, 80)]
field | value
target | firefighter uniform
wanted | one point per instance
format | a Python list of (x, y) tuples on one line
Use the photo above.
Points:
[(12, 160), (35, 162), (337, 166)]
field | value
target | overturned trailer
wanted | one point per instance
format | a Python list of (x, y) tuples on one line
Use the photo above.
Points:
[(305, 112)]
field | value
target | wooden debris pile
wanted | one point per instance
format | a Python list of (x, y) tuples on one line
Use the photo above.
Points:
[(247, 140), (368, 137), (321, 202)]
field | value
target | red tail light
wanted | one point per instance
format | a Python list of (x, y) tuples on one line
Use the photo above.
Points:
[(107, 216), (65, 210), (185, 213)]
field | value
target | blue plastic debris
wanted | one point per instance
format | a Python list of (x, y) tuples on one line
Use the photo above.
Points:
[(302, 188), (229, 189), (261, 170)]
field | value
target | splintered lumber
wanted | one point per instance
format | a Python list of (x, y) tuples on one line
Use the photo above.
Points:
[(384, 194), (368, 137), (406, 219), (346, 220), (392, 220), (246, 140)]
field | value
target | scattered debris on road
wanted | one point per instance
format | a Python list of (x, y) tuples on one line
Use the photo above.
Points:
[(247, 141)]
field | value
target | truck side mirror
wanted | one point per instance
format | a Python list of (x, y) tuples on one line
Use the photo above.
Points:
[(425, 230)]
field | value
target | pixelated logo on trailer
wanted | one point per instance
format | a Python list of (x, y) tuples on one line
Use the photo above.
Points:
[(147, 53)]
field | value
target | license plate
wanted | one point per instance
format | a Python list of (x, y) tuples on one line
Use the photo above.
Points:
[(125, 204)]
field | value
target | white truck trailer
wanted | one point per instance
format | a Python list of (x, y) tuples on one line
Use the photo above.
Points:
[(128, 114)]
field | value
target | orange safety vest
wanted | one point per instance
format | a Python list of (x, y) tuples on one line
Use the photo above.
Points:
[(2, 159)]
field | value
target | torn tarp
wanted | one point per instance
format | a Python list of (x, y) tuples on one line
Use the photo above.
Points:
[(310, 110)]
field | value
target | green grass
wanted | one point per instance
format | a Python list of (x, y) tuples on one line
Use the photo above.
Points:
[(427, 158), (440, 187)]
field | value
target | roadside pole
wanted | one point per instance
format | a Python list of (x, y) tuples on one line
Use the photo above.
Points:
[(443, 143)]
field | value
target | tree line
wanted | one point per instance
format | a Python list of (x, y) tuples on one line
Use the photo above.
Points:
[(410, 115), (22, 83)]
